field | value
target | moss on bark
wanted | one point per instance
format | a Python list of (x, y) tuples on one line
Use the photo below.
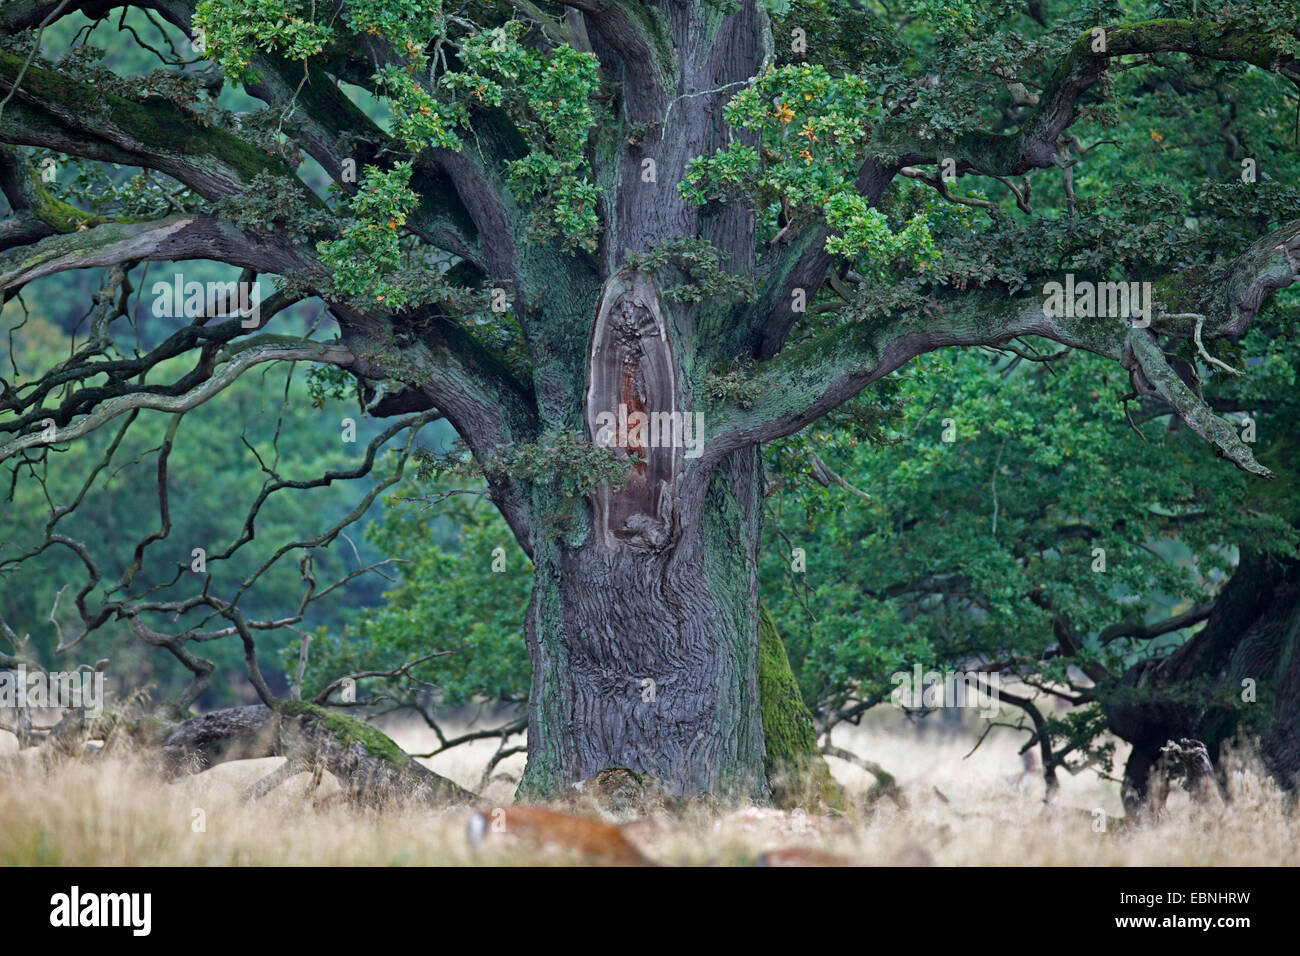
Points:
[(796, 771), (351, 731)]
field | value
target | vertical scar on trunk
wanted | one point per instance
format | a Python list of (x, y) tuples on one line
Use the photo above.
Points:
[(631, 386)]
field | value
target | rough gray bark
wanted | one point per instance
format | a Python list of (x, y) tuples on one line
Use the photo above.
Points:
[(664, 587), (603, 625), (1252, 634)]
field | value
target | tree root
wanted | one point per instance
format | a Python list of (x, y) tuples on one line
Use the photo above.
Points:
[(372, 769)]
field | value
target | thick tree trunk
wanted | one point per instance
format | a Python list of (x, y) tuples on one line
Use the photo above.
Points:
[(648, 659), (1249, 648), (643, 625)]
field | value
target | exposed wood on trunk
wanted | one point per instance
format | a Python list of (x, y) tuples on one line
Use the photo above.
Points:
[(631, 407)]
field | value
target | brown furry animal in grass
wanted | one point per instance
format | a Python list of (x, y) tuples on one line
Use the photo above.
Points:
[(600, 842)]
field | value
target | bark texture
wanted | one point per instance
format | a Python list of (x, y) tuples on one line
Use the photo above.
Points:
[(1251, 643), (643, 626), (648, 659)]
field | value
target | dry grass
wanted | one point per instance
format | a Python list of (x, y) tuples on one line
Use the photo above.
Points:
[(115, 812)]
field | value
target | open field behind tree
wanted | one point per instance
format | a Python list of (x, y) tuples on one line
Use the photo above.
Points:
[(979, 810)]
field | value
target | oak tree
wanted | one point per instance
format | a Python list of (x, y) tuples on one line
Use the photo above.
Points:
[(546, 214)]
